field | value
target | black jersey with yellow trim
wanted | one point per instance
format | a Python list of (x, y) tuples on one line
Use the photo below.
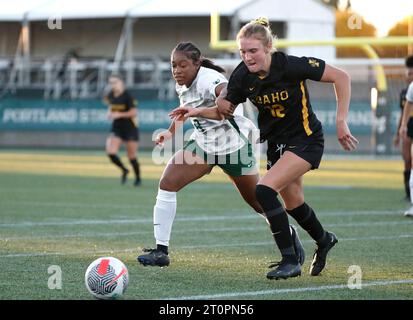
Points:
[(122, 103), (282, 99), (403, 100)]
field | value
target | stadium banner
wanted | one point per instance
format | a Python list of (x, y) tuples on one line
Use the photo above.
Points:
[(77, 115), (90, 115)]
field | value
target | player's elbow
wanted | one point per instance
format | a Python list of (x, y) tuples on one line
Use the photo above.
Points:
[(346, 77), (133, 112)]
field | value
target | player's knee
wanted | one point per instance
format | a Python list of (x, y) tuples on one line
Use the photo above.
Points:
[(257, 207), (111, 155), (166, 183), (293, 197)]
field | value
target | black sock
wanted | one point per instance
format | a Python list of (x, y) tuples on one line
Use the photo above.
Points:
[(406, 175), (307, 219), (162, 248), (278, 221), (116, 160), (136, 168)]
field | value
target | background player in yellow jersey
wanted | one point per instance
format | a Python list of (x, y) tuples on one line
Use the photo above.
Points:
[(406, 142), (405, 131), (122, 110)]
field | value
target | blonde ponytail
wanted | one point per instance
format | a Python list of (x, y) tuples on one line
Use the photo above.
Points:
[(258, 28)]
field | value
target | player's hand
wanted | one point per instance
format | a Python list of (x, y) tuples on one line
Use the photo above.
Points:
[(114, 115), (403, 132), (396, 140), (225, 107), (162, 137), (346, 139), (184, 112)]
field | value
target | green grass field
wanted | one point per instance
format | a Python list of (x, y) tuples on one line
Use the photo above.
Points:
[(68, 208)]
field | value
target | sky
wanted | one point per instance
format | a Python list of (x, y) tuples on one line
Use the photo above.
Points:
[(383, 14)]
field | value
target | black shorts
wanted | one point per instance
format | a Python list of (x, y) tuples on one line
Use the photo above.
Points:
[(410, 128), (310, 149), (126, 133)]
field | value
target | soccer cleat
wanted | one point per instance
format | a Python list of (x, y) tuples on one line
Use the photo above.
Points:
[(137, 182), (154, 257), (320, 255), (409, 213), (124, 176), (284, 270), (298, 246)]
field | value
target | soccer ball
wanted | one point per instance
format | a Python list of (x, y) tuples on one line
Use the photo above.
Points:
[(107, 278)]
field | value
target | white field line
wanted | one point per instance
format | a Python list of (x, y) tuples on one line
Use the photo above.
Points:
[(249, 244), (207, 246), (289, 290), (138, 206), (208, 230), (179, 218)]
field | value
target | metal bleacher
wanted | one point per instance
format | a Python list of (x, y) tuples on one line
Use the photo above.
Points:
[(83, 78)]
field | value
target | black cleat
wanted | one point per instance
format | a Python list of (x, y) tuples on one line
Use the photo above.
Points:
[(298, 246), (155, 257), (124, 176), (320, 255), (284, 270), (137, 183)]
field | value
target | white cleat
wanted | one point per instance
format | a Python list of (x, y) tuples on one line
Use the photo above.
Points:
[(409, 213)]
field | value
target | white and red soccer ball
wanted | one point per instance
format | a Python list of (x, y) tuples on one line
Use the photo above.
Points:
[(107, 278)]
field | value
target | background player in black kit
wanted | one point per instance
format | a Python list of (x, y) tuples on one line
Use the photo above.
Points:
[(123, 111), (406, 142), (275, 83)]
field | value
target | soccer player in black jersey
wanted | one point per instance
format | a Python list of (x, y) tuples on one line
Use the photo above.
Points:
[(122, 111), (406, 142), (275, 83)]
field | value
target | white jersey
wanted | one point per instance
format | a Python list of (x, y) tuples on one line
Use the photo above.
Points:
[(409, 93), (213, 136)]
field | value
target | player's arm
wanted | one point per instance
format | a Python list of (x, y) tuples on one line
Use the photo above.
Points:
[(342, 86), (225, 107), (131, 113), (408, 108), (106, 101), (203, 112), (176, 122), (396, 139), (230, 97)]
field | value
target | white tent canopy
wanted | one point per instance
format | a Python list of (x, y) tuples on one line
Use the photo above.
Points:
[(304, 18), (294, 10), (39, 10)]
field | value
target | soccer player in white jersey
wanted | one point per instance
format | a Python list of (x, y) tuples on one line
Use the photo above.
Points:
[(407, 110), (215, 141)]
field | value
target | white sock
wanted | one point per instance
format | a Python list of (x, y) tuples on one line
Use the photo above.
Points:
[(163, 216), (411, 187)]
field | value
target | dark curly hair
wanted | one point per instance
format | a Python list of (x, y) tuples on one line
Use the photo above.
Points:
[(193, 53)]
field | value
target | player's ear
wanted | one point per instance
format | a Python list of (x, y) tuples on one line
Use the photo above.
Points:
[(268, 48), (198, 63)]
